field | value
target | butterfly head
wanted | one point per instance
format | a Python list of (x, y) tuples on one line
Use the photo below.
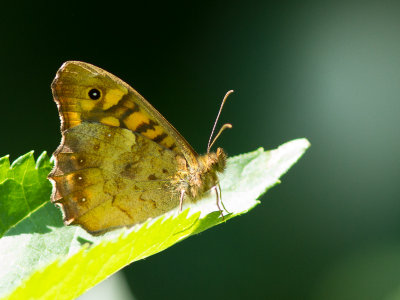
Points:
[(214, 161)]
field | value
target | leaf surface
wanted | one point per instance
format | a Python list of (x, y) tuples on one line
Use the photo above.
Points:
[(42, 258)]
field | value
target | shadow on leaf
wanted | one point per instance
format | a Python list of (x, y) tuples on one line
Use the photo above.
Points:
[(40, 221)]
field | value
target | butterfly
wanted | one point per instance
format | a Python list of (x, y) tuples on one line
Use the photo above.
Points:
[(120, 162)]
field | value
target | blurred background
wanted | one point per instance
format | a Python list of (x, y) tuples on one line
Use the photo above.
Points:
[(325, 70)]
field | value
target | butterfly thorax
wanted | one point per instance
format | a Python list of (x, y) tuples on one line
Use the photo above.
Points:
[(195, 180)]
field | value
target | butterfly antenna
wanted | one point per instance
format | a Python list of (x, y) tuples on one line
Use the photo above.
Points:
[(225, 126), (209, 145)]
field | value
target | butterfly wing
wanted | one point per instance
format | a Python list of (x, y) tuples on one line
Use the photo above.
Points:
[(117, 105), (106, 177)]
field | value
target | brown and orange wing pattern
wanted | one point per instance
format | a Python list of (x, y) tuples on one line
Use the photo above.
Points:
[(84, 92), (120, 162), (106, 177)]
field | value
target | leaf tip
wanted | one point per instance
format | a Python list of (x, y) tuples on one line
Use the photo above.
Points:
[(22, 159), (43, 160)]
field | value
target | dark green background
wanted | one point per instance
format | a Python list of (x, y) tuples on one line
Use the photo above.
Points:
[(325, 70)]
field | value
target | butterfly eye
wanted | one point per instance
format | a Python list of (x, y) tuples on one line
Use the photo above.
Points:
[(94, 94)]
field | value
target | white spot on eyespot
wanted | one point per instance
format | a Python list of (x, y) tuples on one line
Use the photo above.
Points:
[(109, 135), (81, 160), (80, 178), (83, 199)]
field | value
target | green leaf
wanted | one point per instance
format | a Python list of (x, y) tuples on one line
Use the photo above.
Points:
[(23, 188), (42, 258)]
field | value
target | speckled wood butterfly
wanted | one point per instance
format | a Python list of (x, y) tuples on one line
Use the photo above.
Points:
[(120, 162)]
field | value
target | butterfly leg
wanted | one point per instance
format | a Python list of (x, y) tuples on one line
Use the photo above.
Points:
[(216, 189), (181, 200)]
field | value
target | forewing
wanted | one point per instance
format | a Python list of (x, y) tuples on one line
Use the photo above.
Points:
[(119, 105)]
